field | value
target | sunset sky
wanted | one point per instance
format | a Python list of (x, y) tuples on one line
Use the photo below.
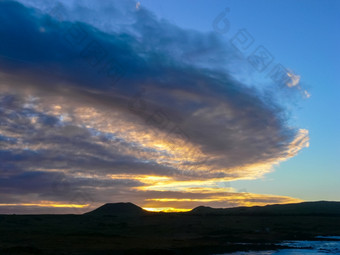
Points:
[(168, 104)]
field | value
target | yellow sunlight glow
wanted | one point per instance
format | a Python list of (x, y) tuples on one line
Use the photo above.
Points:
[(166, 209), (48, 204)]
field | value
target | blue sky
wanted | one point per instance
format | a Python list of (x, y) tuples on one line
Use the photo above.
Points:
[(158, 103), (302, 35)]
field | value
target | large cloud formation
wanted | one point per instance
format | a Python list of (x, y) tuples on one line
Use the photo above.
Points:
[(101, 103)]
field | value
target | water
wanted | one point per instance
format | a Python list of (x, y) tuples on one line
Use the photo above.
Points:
[(305, 247)]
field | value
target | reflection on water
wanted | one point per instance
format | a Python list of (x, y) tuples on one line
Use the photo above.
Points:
[(302, 247), (329, 237)]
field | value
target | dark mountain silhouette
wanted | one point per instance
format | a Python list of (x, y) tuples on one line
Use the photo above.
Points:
[(118, 209), (304, 208)]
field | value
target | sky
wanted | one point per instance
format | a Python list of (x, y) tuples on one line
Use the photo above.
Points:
[(168, 104)]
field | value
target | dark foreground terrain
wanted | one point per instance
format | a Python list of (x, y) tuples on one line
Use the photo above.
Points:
[(127, 229)]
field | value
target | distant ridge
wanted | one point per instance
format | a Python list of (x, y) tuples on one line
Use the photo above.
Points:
[(117, 209), (305, 208), (321, 208), (205, 209)]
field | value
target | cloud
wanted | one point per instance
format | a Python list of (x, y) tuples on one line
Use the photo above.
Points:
[(104, 105), (293, 82), (294, 79)]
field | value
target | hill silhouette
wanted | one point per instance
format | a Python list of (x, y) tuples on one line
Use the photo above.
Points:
[(304, 208), (118, 209)]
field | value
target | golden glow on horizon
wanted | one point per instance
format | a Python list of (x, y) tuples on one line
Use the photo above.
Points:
[(48, 204), (237, 200), (241, 198), (197, 192), (220, 200), (166, 209)]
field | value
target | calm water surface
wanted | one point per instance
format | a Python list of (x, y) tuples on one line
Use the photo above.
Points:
[(311, 248)]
